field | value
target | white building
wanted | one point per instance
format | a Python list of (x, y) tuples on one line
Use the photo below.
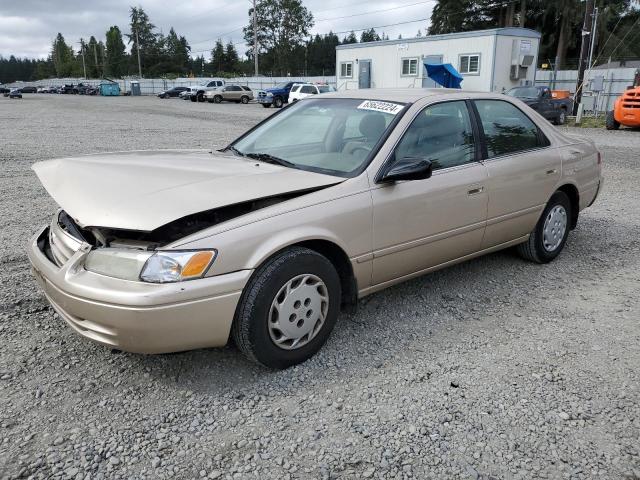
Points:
[(489, 60)]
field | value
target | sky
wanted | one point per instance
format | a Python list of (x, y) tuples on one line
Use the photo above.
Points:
[(27, 27)]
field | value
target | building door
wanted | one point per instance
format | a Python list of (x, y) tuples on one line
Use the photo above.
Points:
[(426, 81), (364, 74)]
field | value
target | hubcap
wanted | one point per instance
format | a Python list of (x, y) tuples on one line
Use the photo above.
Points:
[(298, 311), (555, 226)]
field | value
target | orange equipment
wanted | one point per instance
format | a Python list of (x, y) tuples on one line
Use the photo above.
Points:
[(626, 109)]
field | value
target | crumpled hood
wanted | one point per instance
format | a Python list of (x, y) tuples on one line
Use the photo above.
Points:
[(143, 190)]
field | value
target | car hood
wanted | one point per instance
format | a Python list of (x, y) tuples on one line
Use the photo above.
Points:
[(143, 190)]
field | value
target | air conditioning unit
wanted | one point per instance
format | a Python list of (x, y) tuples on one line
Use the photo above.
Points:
[(517, 72)]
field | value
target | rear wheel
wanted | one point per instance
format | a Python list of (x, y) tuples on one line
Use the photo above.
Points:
[(217, 99), (278, 102), (288, 309), (610, 122), (550, 234)]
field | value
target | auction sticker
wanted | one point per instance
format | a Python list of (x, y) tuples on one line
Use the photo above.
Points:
[(378, 106)]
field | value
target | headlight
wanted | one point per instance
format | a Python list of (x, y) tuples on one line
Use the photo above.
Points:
[(168, 266), (124, 263), (158, 267)]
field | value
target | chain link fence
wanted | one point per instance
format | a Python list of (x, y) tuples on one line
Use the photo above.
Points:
[(153, 86)]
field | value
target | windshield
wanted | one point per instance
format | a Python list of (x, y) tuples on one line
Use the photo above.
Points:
[(333, 135), (528, 92), (326, 88), (282, 85)]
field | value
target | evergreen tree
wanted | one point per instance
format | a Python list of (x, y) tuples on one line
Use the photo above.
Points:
[(218, 57), (230, 58), (116, 56), (62, 56), (369, 36), (351, 38)]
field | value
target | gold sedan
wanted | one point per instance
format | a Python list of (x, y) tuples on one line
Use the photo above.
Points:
[(331, 199)]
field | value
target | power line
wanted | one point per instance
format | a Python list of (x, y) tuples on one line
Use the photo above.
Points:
[(374, 11)]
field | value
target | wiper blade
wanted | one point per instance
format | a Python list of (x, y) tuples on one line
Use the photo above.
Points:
[(267, 157), (236, 151)]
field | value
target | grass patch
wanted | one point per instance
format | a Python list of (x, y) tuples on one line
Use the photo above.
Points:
[(588, 122)]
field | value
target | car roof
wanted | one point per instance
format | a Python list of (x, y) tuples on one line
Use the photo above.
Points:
[(405, 94)]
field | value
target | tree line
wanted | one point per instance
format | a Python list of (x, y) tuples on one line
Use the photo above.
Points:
[(560, 23), (286, 47)]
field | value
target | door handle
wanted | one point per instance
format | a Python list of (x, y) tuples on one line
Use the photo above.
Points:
[(553, 171), (475, 191)]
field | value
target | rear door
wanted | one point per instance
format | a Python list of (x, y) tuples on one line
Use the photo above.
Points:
[(523, 170), (423, 223)]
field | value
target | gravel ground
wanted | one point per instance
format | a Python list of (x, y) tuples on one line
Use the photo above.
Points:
[(495, 368)]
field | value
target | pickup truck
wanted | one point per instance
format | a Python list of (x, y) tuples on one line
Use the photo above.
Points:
[(541, 100), (196, 93), (276, 96)]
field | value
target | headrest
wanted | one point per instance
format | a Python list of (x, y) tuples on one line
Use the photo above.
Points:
[(372, 125)]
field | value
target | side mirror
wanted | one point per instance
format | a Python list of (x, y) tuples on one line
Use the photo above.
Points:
[(408, 168)]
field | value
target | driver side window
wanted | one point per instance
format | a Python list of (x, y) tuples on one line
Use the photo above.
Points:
[(441, 133)]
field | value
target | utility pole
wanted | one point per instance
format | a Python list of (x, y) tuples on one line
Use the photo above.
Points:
[(255, 39), (584, 50), (138, 49), (594, 32), (84, 66)]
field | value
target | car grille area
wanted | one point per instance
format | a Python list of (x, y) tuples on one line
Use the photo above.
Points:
[(63, 242)]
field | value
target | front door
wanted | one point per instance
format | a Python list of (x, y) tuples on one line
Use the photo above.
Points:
[(364, 74), (423, 223), (429, 59)]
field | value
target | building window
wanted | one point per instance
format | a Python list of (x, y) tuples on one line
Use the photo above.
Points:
[(346, 70), (409, 66), (470, 63)]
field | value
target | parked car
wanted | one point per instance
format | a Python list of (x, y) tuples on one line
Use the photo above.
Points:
[(303, 90), (229, 93), (173, 92), (186, 95), (276, 96), (29, 89), (540, 99), (5, 90), (67, 89), (197, 92), (15, 93), (268, 239)]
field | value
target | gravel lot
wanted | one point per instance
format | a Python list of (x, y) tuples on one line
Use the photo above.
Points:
[(495, 368)]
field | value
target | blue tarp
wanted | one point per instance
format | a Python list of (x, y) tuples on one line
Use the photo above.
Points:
[(444, 74)]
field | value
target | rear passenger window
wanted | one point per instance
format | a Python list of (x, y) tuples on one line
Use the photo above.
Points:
[(506, 128), (441, 133)]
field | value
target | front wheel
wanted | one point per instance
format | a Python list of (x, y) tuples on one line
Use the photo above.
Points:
[(278, 102), (244, 99), (610, 122), (562, 117), (200, 97), (550, 234), (217, 99), (288, 308)]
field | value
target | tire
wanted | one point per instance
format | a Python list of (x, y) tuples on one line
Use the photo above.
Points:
[(543, 249), (193, 98), (266, 105), (562, 117), (251, 329), (244, 99), (200, 97), (278, 102), (610, 122), (217, 99)]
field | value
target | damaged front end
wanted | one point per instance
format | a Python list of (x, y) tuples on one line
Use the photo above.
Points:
[(139, 255)]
